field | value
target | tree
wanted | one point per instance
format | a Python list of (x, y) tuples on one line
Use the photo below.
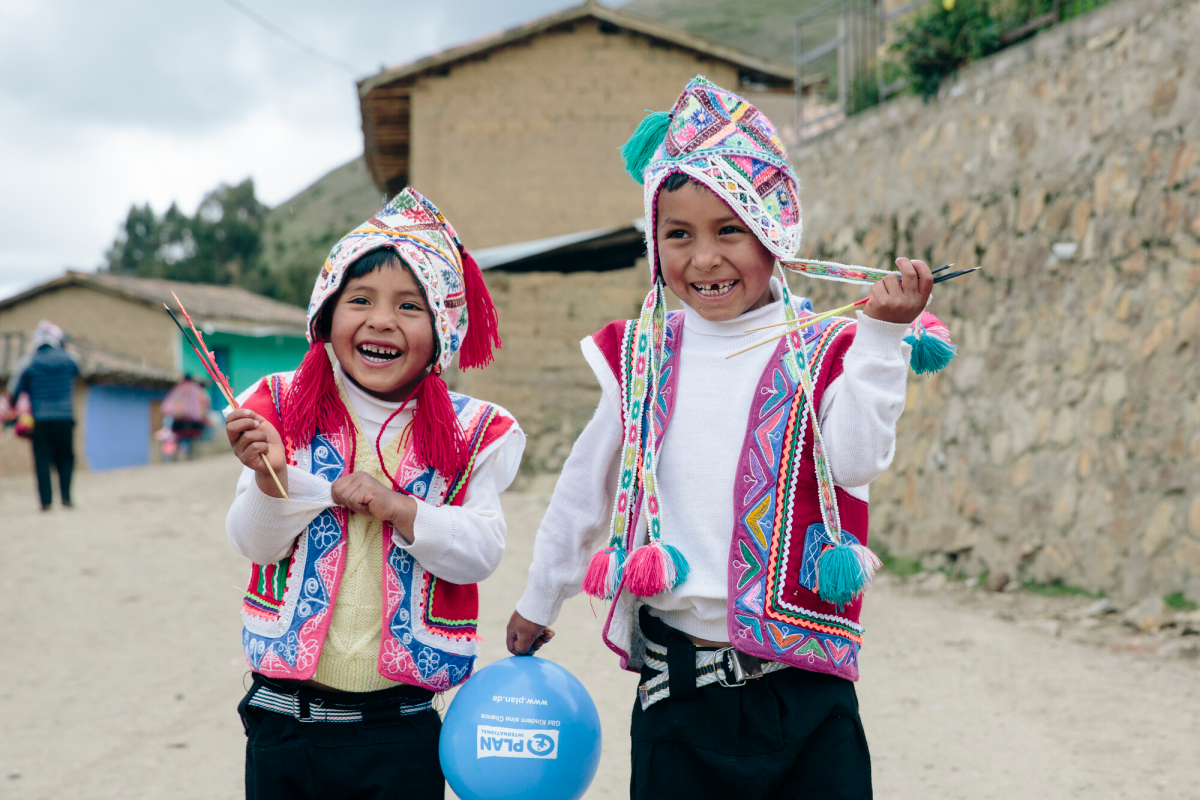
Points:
[(220, 244)]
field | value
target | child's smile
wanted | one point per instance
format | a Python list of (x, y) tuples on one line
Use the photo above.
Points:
[(382, 332), (709, 257)]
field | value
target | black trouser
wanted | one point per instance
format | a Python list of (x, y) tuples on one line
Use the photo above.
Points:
[(788, 734), (376, 759), (54, 443)]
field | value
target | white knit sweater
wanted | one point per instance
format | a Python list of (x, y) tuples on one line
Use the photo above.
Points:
[(460, 544), (698, 460)]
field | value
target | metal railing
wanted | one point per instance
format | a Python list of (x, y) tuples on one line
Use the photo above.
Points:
[(842, 41)]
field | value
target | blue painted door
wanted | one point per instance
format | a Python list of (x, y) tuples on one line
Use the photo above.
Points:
[(117, 426)]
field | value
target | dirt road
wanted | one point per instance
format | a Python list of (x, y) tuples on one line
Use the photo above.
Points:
[(121, 666)]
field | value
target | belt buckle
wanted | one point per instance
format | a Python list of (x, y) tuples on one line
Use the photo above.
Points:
[(741, 671)]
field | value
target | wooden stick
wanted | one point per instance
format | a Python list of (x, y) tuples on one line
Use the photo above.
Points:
[(826, 314), (804, 323), (222, 384)]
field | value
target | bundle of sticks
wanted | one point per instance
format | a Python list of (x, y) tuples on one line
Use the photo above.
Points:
[(796, 325), (196, 341)]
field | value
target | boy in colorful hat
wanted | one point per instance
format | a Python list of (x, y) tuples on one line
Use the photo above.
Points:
[(729, 495), (362, 602)]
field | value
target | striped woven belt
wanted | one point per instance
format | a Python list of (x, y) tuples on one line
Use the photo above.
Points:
[(727, 666), (291, 705)]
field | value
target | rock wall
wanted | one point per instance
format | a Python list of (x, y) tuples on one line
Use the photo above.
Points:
[(1063, 443)]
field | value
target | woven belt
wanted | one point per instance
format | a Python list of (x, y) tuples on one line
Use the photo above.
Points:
[(294, 705), (726, 666)]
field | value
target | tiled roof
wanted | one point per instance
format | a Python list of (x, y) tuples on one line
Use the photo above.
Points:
[(205, 302)]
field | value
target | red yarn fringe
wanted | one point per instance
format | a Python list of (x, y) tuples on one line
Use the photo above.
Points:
[(440, 441), (483, 324), (312, 401)]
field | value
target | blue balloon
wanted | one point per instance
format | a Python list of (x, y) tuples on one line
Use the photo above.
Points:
[(521, 728)]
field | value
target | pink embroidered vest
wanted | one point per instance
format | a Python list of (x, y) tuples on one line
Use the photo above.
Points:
[(773, 610), (429, 625)]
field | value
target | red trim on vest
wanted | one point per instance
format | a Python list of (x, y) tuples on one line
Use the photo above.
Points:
[(608, 339)]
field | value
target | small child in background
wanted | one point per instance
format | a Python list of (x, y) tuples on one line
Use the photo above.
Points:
[(362, 601), (731, 492)]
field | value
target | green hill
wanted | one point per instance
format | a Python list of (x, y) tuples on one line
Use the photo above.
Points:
[(298, 233), (762, 27)]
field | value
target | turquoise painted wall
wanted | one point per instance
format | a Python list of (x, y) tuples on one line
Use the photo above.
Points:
[(245, 359)]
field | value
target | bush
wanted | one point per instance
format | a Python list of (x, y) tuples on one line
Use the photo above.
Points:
[(936, 42)]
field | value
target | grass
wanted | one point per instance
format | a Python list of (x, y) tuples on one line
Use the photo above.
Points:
[(1057, 588), (1178, 602), (899, 565)]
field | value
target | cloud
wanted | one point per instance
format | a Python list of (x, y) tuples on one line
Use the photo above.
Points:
[(110, 104)]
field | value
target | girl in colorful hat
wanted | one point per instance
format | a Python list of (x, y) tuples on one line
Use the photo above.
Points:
[(362, 602), (720, 503)]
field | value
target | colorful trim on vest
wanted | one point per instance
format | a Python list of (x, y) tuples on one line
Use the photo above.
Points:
[(429, 632)]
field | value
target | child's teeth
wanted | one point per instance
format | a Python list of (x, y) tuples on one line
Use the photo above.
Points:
[(714, 288)]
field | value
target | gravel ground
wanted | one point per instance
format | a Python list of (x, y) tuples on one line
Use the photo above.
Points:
[(121, 664)]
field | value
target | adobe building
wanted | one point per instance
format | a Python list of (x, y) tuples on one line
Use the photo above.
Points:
[(131, 354), (516, 138)]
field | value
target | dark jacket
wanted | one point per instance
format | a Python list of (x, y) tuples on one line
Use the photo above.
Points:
[(50, 381)]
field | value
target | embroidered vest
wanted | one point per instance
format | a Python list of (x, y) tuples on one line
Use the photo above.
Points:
[(429, 625), (773, 610)]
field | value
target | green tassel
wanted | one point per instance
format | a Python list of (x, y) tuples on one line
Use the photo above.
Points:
[(929, 353), (841, 575), (640, 148)]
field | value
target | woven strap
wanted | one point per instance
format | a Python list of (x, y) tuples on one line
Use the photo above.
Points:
[(825, 486), (291, 705), (710, 668)]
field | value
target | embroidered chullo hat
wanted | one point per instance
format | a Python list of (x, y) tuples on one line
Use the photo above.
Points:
[(722, 142), (461, 311)]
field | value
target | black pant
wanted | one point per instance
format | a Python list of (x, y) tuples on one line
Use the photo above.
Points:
[(393, 757), (789, 734), (54, 442)]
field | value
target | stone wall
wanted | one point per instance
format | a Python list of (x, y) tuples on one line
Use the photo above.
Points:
[(1063, 442)]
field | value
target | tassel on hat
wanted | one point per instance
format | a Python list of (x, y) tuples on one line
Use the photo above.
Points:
[(437, 435), (483, 324), (844, 571), (640, 148), (604, 573), (312, 402), (932, 348), (655, 568)]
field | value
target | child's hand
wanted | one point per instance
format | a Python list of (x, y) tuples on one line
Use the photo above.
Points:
[(893, 300), (362, 494), (525, 637), (252, 437)]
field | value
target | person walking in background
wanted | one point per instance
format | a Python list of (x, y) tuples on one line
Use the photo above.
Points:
[(186, 406), (49, 380)]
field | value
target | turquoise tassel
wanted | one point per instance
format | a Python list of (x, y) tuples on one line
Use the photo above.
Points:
[(640, 148), (682, 569), (929, 353), (843, 572)]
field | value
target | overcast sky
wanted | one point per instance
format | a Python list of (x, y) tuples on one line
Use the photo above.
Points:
[(106, 104)]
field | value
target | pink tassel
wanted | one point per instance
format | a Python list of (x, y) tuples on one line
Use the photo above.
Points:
[(483, 324), (655, 568), (440, 441), (312, 401), (604, 573), (935, 326)]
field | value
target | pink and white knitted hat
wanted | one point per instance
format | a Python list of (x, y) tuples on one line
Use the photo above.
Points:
[(721, 141), (427, 243)]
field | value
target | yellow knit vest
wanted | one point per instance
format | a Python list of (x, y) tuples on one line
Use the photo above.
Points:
[(350, 655)]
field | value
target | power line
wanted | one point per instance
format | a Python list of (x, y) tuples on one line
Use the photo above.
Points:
[(292, 40)]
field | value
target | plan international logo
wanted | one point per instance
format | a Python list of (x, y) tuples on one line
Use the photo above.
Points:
[(515, 743)]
